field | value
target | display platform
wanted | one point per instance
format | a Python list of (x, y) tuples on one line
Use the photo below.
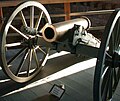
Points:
[(75, 73)]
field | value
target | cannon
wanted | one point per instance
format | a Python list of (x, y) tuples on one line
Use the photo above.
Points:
[(25, 45)]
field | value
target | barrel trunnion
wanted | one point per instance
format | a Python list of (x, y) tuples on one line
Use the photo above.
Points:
[(25, 46)]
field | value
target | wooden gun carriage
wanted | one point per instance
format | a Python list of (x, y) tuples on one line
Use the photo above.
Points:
[(25, 55)]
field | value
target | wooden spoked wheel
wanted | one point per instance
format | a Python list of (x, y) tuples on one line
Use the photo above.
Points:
[(22, 52), (107, 71)]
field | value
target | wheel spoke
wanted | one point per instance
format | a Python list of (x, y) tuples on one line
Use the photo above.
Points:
[(115, 75), (104, 77), (118, 73), (105, 91), (15, 29), (108, 55), (38, 20), (110, 84), (38, 47), (105, 85), (13, 44), (22, 62), (105, 71), (32, 16), (108, 59), (16, 56), (23, 18), (36, 58), (44, 61), (30, 60)]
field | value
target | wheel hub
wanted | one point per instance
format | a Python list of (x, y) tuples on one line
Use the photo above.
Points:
[(31, 33), (31, 42), (28, 30)]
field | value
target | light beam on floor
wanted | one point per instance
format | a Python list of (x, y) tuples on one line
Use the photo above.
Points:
[(60, 74)]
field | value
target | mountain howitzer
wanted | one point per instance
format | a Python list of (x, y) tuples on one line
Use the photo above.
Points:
[(28, 34), (74, 31)]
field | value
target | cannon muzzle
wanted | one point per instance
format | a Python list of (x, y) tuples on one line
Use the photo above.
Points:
[(52, 33)]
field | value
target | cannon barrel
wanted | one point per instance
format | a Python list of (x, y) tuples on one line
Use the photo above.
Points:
[(53, 32)]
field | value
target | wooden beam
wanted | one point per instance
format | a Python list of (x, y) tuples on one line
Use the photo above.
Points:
[(1, 14), (1, 17), (16, 2), (67, 11)]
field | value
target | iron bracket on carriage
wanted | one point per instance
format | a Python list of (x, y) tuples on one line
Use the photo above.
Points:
[(25, 45)]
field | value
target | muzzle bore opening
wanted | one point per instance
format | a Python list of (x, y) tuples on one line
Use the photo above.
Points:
[(49, 33)]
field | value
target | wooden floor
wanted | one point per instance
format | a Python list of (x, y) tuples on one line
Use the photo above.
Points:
[(66, 69)]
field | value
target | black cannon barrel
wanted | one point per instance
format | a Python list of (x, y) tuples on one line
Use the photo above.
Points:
[(53, 32)]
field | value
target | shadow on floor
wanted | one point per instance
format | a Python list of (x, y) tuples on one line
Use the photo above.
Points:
[(47, 98)]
